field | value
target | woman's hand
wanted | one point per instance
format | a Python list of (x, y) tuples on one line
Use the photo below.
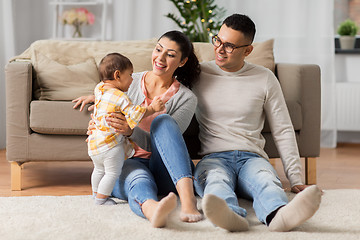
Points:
[(299, 188), (83, 100), (91, 125), (157, 104), (119, 123)]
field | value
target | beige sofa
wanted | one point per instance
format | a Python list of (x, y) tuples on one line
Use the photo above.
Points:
[(42, 125)]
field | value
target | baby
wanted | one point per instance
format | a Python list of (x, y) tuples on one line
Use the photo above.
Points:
[(109, 149)]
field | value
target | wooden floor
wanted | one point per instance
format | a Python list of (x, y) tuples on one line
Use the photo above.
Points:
[(336, 168)]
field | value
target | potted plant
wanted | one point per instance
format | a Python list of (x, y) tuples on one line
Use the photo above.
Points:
[(347, 31), (199, 19)]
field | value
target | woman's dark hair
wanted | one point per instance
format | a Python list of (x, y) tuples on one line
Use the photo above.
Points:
[(243, 24), (190, 72), (112, 62)]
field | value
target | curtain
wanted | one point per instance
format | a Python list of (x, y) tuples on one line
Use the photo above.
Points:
[(7, 51), (140, 19), (303, 32)]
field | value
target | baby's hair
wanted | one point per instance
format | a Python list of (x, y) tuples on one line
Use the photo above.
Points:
[(112, 62)]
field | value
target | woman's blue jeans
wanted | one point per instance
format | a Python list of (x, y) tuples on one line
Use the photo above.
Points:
[(234, 174), (144, 179)]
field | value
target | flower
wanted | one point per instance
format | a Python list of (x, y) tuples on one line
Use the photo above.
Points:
[(77, 16)]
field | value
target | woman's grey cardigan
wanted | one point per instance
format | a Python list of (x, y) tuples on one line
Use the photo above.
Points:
[(180, 107)]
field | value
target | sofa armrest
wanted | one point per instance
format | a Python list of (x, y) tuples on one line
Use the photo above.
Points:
[(18, 81), (301, 83)]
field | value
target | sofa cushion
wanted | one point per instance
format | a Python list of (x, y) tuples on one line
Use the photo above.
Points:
[(57, 81), (263, 54), (139, 52), (48, 118), (68, 69), (58, 117)]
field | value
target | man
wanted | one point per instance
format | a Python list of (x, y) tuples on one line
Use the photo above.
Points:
[(233, 98)]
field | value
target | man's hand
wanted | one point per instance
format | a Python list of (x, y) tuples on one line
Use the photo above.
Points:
[(83, 100), (119, 123)]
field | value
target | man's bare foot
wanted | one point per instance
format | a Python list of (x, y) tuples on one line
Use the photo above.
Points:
[(189, 212), (158, 212)]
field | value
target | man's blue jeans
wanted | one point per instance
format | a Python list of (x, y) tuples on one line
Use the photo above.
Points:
[(144, 179), (244, 174)]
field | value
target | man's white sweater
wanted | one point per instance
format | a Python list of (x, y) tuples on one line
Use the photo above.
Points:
[(231, 113)]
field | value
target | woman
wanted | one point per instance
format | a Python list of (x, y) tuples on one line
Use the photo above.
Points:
[(161, 164)]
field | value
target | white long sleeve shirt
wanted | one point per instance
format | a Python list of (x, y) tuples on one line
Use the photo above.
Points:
[(231, 114)]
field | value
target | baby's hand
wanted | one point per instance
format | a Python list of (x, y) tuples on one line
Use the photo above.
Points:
[(157, 104)]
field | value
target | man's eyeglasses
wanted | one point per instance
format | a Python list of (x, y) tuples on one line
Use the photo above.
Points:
[(228, 47)]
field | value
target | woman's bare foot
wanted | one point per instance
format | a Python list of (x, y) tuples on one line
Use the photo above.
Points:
[(157, 212), (189, 212)]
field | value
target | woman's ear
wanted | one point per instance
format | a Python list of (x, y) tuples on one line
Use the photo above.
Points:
[(182, 63)]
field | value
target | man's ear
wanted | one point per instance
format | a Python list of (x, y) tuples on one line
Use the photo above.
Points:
[(248, 50)]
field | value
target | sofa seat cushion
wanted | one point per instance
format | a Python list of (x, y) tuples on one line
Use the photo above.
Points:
[(295, 114), (58, 117), (47, 117)]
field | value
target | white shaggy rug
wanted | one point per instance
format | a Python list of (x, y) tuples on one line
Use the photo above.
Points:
[(76, 217)]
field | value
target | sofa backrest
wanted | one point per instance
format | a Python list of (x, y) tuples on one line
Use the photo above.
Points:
[(68, 69)]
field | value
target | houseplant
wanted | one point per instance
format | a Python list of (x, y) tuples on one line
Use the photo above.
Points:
[(347, 31), (199, 20)]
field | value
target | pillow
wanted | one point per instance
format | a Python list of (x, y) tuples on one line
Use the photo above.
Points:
[(138, 51), (204, 51), (140, 58), (57, 81), (262, 53)]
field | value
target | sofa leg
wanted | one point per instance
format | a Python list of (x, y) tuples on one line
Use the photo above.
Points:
[(310, 171), (16, 176)]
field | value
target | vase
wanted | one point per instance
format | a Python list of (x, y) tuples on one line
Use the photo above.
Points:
[(347, 42), (77, 31)]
